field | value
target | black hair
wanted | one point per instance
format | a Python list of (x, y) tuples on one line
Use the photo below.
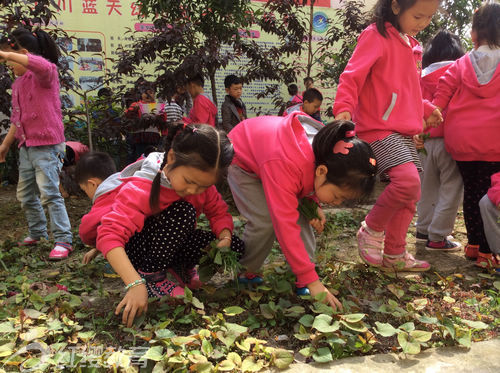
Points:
[(355, 170), (197, 79), (486, 24), (444, 46), (94, 164), (36, 42), (199, 146), (293, 89), (232, 79), (312, 94), (382, 13), (308, 78), (104, 92)]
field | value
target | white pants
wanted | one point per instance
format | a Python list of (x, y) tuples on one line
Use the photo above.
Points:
[(442, 192)]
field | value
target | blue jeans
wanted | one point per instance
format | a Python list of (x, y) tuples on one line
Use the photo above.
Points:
[(38, 186)]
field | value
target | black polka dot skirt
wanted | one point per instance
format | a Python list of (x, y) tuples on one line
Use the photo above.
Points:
[(170, 240)]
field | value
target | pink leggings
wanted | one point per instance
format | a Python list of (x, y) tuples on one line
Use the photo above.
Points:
[(395, 207)]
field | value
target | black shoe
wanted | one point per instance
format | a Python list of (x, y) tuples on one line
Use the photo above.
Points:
[(421, 237)]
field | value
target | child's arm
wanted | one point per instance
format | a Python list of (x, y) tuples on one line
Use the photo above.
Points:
[(135, 302), (216, 212), (45, 71), (226, 117), (7, 142), (352, 80), (19, 58), (447, 86)]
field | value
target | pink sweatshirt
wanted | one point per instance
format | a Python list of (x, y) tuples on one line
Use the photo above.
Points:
[(36, 106), (429, 83), (380, 86), (131, 206), (472, 122), (203, 111), (494, 191), (277, 150)]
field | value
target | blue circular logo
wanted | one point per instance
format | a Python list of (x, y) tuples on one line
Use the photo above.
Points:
[(320, 22)]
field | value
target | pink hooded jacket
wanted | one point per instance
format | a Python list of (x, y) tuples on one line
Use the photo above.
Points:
[(131, 205), (473, 118), (380, 86), (494, 191), (277, 151), (36, 106)]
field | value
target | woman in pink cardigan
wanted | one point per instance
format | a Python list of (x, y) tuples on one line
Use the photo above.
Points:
[(37, 126)]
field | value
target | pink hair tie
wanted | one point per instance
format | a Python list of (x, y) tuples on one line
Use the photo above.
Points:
[(195, 129), (342, 147), (351, 133)]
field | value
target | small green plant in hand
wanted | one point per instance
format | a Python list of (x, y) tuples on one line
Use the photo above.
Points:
[(218, 259), (424, 137), (309, 209)]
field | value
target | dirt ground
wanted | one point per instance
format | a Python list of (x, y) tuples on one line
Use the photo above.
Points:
[(13, 227)]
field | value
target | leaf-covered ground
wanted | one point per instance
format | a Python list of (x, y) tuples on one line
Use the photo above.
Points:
[(59, 316)]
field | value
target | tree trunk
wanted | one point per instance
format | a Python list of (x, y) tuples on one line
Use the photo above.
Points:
[(214, 88), (309, 39)]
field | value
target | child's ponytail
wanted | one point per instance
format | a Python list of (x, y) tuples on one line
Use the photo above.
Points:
[(350, 161), (36, 42), (199, 146)]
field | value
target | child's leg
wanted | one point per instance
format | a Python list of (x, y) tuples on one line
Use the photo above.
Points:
[(250, 200), (401, 193), (491, 215), (477, 180), (307, 235), (430, 188), (47, 161), (450, 194), (27, 194)]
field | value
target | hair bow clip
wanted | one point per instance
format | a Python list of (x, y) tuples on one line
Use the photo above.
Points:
[(342, 147), (373, 162), (351, 133), (195, 129)]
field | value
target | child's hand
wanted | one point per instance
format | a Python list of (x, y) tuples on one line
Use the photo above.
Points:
[(345, 115), (435, 119), (418, 141), (89, 256), (134, 303), (317, 287), (319, 223), (3, 153), (224, 238)]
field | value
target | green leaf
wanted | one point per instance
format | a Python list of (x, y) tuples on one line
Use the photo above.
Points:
[(33, 314), (119, 360), (322, 355), (206, 347), (475, 324), (307, 351), (320, 297), (282, 358), (7, 349), (236, 328), (385, 329), (294, 311), (250, 365), (428, 320), (154, 353), (179, 341), (86, 336), (283, 286), (465, 340), (307, 320), (322, 323), (353, 318), (233, 310), (421, 335), (408, 347), (235, 358), (226, 365), (407, 327), (206, 367), (6, 327), (196, 302), (450, 327), (164, 334), (267, 311), (496, 284), (34, 333), (356, 326), (218, 258)]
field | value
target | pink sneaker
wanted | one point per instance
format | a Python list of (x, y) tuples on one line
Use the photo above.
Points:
[(28, 241), (192, 274), (60, 251), (403, 263), (159, 285), (370, 246)]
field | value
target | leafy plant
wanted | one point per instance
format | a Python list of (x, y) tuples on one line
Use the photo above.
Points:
[(218, 259)]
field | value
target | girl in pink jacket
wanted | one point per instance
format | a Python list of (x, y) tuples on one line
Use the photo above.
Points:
[(277, 162), (38, 128), (150, 227), (380, 90), (470, 92)]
